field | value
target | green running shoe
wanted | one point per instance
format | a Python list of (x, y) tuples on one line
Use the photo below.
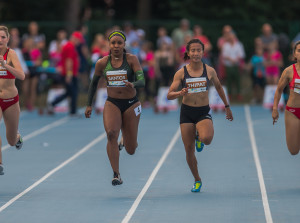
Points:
[(197, 186), (199, 145)]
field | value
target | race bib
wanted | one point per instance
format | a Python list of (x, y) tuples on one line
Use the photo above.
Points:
[(195, 85), (3, 71), (297, 86), (138, 110), (116, 78)]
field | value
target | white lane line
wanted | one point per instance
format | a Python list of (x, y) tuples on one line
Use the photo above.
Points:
[(151, 178), (258, 166), (41, 130), (80, 152)]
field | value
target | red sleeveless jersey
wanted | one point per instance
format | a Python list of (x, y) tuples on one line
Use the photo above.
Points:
[(4, 73)]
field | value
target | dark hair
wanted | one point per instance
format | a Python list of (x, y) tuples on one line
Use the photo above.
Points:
[(117, 33), (187, 49)]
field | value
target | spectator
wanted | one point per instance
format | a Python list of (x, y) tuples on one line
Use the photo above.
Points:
[(163, 37), (148, 65), (232, 54), (227, 29), (274, 62), (178, 34), (130, 33), (165, 63), (198, 34), (70, 65), (257, 63), (55, 48), (84, 54), (33, 58), (38, 38), (267, 36)]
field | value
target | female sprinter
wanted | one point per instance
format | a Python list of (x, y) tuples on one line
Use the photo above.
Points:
[(122, 109), (194, 114), (291, 77), (10, 69)]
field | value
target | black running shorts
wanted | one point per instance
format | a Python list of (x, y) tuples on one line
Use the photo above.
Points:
[(189, 114)]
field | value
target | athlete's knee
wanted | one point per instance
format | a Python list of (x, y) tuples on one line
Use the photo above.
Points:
[(206, 140), (112, 135), (294, 152), (130, 149)]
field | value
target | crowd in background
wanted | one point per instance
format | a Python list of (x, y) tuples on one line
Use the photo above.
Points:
[(43, 66)]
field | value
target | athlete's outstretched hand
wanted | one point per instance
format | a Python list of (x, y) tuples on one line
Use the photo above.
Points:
[(275, 115), (88, 111), (228, 114)]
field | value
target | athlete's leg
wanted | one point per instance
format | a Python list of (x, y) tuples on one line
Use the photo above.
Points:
[(112, 123), (11, 120), (292, 132), (205, 130), (130, 124), (188, 135)]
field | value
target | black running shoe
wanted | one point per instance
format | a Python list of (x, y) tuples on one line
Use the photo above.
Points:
[(116, 180), (19, 144), (1, 170), (121, 146)]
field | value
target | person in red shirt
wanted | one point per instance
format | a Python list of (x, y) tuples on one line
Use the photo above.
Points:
[(70, 67)]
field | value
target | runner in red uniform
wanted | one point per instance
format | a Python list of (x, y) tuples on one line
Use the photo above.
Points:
[(290, 76), (10, 69)]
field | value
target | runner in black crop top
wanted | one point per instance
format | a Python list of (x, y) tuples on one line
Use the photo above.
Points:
[(187, 75), (195, 120)]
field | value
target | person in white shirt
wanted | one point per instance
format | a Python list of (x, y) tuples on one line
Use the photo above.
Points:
[(233, 54)]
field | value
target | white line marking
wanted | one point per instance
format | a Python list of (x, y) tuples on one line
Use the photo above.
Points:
[(41, 130), (80, 152), (151, 178), (258, 166)]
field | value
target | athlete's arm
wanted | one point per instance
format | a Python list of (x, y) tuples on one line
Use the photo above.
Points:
[(212, 76), (138, 72), (94, 84), (173, 90), (283, 81), (16, 69)]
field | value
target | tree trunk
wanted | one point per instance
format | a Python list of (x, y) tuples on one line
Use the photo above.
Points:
[(72, 15), (144, 12)]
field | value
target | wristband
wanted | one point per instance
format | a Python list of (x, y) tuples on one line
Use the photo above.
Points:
[(226, 106)]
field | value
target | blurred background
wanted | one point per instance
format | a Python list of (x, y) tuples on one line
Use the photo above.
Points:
[(157, 32)]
